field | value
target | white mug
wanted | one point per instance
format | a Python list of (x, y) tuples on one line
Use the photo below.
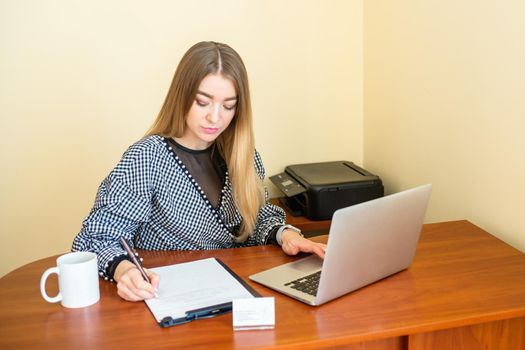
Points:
[(77, 280)]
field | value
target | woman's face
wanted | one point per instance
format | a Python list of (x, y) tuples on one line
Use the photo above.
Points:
[(211, 112)]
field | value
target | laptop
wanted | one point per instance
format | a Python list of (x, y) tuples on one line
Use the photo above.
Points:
[(367, 242)]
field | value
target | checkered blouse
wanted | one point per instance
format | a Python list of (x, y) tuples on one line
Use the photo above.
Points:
[(152, 200)]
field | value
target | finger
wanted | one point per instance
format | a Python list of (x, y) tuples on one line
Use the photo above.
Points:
[(155, 282), (319, 251), (154, 279), (308, 246), (125, 293), (130, 291), (142, 288), (136, 285)]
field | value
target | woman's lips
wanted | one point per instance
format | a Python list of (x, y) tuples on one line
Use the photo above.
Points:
[(210, 130)]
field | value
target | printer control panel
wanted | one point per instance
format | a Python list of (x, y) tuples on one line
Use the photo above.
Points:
[(287, 184)]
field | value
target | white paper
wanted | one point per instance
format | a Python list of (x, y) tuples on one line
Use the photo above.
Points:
[(254, 313), (193, 285)]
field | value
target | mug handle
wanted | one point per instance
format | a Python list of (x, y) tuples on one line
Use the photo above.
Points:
[(43, 280)]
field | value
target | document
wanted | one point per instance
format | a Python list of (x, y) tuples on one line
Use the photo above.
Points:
[(196, 289)]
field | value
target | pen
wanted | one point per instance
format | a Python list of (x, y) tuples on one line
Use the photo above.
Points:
[(134, 258), (205, 312), (209, 311)]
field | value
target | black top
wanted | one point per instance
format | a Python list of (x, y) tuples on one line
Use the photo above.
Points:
[(206, 166)]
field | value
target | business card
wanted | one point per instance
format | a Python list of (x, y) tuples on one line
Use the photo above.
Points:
[(253, 313)]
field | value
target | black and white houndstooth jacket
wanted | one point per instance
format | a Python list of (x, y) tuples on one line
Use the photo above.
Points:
[(153, 201)]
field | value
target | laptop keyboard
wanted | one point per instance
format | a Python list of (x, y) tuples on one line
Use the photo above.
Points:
[(307, 284)]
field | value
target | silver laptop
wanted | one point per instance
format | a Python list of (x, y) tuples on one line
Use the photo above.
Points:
[(367, 242)]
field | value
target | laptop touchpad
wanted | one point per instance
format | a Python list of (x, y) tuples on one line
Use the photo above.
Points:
[(308, 264)]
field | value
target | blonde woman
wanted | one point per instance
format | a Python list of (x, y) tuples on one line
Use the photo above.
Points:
[(193, 182)]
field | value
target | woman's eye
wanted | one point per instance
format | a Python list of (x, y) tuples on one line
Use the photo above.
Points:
[(229, 107), (201, 103)]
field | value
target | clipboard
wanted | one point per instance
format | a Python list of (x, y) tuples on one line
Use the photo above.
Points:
[(194, 290)]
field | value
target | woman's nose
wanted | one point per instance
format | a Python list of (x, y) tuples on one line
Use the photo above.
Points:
[(214, 113)]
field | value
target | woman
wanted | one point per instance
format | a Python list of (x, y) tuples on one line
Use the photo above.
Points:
[(195, 180)]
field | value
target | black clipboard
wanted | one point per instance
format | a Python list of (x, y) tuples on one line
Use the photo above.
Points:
[(221, 278)]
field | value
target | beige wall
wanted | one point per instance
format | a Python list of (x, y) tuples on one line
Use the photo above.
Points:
[(444, 103), (443, 92), (81, 80)]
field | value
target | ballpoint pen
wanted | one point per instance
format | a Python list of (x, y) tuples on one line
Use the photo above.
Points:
[(209, 311), (197, 314), (134, 259)]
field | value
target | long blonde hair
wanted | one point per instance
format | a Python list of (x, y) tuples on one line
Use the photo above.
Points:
[(236, 143)]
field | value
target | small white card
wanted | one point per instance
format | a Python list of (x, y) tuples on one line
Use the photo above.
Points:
[(253, 313)]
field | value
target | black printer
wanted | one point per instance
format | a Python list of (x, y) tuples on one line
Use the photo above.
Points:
[(317, 190)]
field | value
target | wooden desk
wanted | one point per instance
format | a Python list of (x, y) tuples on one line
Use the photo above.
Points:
[(465, 290)]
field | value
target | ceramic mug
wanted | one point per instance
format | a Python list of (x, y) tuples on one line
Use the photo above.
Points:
[(77, 280)]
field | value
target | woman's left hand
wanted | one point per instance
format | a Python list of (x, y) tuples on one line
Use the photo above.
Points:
[(293, 243)]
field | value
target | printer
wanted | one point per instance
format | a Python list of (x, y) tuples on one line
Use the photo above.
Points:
[(317, 190)]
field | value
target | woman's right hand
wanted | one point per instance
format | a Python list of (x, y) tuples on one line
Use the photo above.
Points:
[(131, 285)]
